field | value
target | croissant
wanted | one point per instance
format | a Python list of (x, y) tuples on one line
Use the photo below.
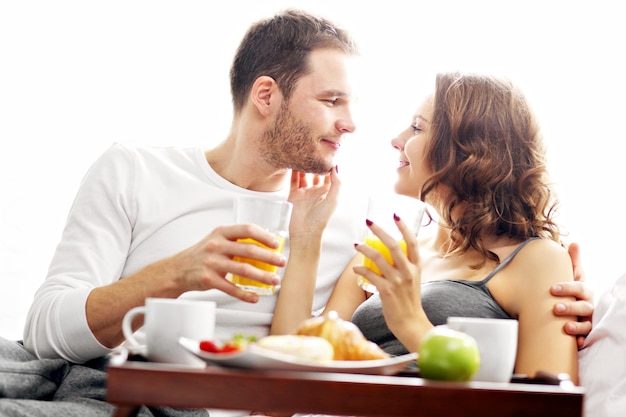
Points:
[(348, 342)]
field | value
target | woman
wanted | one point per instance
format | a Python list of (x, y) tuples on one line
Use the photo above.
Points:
[(473, 152)]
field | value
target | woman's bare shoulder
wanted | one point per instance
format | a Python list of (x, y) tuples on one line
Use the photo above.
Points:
[(538, 265), (544, 258), (543, 248)]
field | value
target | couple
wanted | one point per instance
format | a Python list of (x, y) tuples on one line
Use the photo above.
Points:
[(158, 223)]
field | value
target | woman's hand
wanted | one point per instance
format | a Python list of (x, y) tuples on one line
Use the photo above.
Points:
[(399, 284), (313, 201)]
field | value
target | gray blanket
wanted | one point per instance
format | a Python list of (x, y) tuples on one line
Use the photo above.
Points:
[(35, 387)]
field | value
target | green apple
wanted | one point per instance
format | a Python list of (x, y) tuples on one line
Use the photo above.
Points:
[(448, 355)]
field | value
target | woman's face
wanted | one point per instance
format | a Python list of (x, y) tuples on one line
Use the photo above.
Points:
[(411, 143)]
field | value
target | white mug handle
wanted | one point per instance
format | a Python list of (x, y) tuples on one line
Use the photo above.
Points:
[(127, 327)]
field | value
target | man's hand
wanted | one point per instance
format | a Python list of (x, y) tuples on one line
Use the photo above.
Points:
[(206, 264), (583, 306)]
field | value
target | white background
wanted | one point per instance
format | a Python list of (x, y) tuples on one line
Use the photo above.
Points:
[(76, 76)]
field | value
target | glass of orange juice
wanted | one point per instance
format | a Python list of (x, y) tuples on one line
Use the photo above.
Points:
[(272, 215), (381, 210)]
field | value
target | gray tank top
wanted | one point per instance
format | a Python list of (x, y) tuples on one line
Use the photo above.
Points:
[(440, 299)]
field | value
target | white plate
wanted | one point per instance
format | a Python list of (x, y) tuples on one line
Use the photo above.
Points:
[(255, 357)]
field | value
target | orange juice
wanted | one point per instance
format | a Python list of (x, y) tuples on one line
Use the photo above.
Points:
[(250, 284), (376, 243)]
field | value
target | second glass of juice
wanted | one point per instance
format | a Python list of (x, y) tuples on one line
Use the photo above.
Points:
[(273, 216), (381, 210)]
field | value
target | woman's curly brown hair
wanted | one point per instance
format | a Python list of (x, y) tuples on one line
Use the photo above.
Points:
[(486, 149)]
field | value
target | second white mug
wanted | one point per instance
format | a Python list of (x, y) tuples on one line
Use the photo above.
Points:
[(497, 343)]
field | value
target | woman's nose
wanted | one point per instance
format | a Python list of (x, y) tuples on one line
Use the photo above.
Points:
[(398, 143)]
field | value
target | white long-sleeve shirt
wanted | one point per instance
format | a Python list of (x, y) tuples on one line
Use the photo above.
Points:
[(138, 205)]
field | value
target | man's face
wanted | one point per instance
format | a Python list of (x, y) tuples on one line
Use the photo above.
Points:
[(308, 130)]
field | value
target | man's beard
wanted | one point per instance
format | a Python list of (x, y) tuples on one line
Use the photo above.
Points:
[(290, 145)]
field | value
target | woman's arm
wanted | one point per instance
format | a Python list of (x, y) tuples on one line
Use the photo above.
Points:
[(543, 344), (295, 298), (347, 295), (314, 201)]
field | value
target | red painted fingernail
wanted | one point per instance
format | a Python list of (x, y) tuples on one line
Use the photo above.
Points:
[(356, 244), (337, 169), (396, 217), (369, 222)]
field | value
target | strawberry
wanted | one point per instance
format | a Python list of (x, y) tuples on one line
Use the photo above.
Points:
[(209, 346), (237, 343), (229, 347)]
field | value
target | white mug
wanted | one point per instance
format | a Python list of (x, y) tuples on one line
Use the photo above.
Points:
[(497, 343), (165, 320)]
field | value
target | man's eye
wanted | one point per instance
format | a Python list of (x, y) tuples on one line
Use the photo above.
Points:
[(332, 101)]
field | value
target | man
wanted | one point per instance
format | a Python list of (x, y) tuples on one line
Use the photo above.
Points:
[(158, 222), (161, 218)]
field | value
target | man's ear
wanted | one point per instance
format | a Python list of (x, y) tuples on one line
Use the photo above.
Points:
[(264, 91)]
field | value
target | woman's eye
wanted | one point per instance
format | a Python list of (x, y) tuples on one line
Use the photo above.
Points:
[(416, 128)]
